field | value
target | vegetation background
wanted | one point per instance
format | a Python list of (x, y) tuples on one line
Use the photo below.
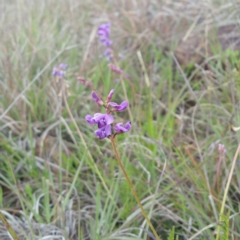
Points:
[(182, 58)]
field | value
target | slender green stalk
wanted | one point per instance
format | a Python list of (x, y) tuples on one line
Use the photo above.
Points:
[(132, 189), (226, 191), (8, 227)]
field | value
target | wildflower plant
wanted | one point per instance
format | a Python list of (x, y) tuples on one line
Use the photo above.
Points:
[(105, 122)]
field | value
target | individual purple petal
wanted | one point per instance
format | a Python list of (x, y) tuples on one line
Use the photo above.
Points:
[(104, 29), (96, 98), (119, 108), (106, 41), (119, 128), (110, 95), (61, 74), (98, 116), (90, 119), (108, 53), (104, 119), (55, 71), (104, 131), (103, 32), (58, 72), (113, 104), (100, 119), (63, 66)]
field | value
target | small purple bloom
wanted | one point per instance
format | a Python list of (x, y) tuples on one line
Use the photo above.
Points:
[(101, 119), (63, 66), (106, 41), (104, 33), (61, 74), (104, 119), (58, 71), (90, 119), (96, 98), (104, 30), (110, 95), (55, 71), (119, 128), (104, 131), (119, 108), (108, 53)]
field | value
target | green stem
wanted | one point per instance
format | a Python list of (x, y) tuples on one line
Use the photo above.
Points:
[(132, 189), (8, 227), (226, 191)]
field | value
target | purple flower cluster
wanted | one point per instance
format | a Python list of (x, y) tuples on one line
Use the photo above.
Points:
[(59, 70), (104, 121), (104, 33)]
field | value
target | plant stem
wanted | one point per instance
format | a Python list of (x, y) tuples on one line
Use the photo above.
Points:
[(132, 189), (8, 227), (226, 191)]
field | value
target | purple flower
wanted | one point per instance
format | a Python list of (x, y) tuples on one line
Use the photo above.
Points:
[(108, 53), (55, 71), (63, 66), (91, 119), (96, 98), (101, 119), (119, 108), (119, 128), (106, 41), (110, 95), (104, 131), (58, 71), (103, 33), (104, 29)]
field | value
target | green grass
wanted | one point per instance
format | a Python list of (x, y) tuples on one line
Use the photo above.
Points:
[(54, 180)]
